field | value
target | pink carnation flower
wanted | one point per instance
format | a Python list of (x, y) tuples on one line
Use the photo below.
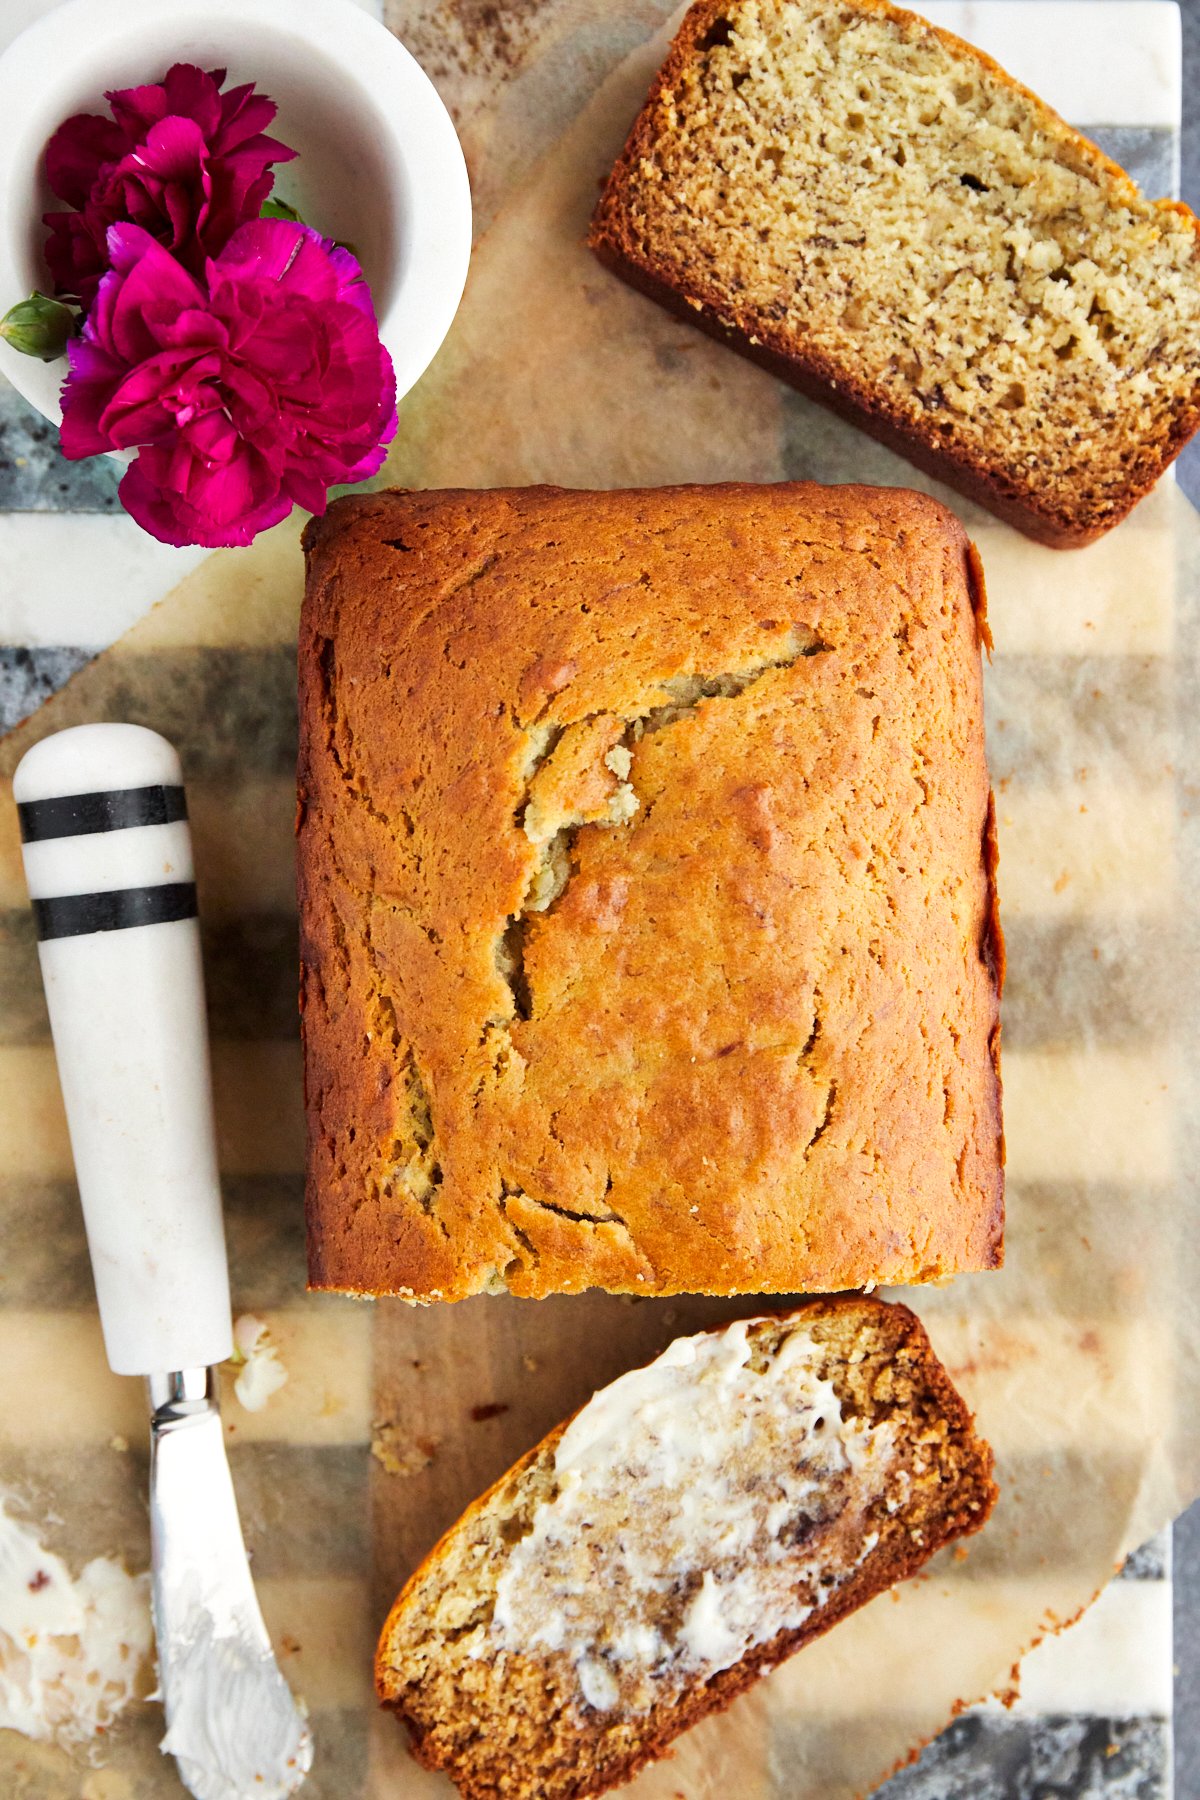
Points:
[(182, 160), (258, 390)]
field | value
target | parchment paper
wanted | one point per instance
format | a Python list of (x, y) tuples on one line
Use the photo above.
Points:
[(1080, 1358)]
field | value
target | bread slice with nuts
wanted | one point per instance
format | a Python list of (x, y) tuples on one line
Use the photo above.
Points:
[(881, 215), (698, 1521)]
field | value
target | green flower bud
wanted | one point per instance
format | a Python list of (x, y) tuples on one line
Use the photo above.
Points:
[(38, 326)]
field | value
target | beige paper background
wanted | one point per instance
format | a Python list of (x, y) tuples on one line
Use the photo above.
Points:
[(1080, 1358)]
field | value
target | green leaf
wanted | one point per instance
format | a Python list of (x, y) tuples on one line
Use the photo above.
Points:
[(279, 209), (38, 326)]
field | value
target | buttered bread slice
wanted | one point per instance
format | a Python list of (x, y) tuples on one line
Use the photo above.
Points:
[(699, 1520)]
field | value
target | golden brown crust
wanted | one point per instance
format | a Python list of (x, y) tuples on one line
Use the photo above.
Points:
[(755, 1050), (803, 365), (967, 1494)]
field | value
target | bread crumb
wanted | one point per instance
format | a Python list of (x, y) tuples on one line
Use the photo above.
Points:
[(118, 1443), (530, 1364), (397, 1453)]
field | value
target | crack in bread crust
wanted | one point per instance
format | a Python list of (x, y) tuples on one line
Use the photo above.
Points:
[(548, 878)]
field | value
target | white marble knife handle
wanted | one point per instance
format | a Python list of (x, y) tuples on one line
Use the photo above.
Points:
[(108, 858)]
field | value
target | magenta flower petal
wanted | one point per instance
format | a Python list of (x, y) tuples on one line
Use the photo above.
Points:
[(127, 244), (78, 148), (75, 256), (352, 285), (137, 109), (174, 149), (179, 158), (373, 460), (195, 94), (245, 396), (227, 510), (153, 290), (244, 115), (86, 392), (195, 325), (278, 250)]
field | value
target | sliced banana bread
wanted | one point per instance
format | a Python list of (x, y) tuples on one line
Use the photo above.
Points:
[(880, 214), (698, 1521)]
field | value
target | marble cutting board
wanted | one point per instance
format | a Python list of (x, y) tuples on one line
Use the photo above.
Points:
[(1095, 1706)]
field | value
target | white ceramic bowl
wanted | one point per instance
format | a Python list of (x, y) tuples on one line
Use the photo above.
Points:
[(379, 164)]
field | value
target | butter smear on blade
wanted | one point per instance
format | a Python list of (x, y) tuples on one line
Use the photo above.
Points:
[(704, 1504), (74, 1651)]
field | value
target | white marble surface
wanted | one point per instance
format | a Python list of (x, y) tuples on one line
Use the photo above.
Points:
[(1097, 62), (1116, 1662), (81, 578)]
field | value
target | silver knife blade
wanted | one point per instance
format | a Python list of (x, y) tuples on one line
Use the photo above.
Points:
[(233, 1724)]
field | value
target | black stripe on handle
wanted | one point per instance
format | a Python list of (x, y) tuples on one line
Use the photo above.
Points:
[(79, 815), (74, 915)]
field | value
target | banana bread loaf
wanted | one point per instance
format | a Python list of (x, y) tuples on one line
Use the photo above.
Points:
[(877, 212), (697, 1522), (648, 930)]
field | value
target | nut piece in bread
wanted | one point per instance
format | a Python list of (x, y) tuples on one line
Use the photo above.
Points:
[(697, 1522), (648, 927), (878, 213)]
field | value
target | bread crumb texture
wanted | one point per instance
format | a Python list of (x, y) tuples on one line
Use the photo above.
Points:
[(901, 228), (698, 1521), (648, 932)]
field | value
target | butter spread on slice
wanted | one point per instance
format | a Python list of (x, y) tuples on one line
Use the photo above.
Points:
[(703, 1505)]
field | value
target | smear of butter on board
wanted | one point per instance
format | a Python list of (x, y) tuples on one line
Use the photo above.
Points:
[(74, 1650), (262, 1374)]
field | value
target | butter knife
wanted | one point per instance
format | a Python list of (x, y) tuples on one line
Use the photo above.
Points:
[(108, 860)]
